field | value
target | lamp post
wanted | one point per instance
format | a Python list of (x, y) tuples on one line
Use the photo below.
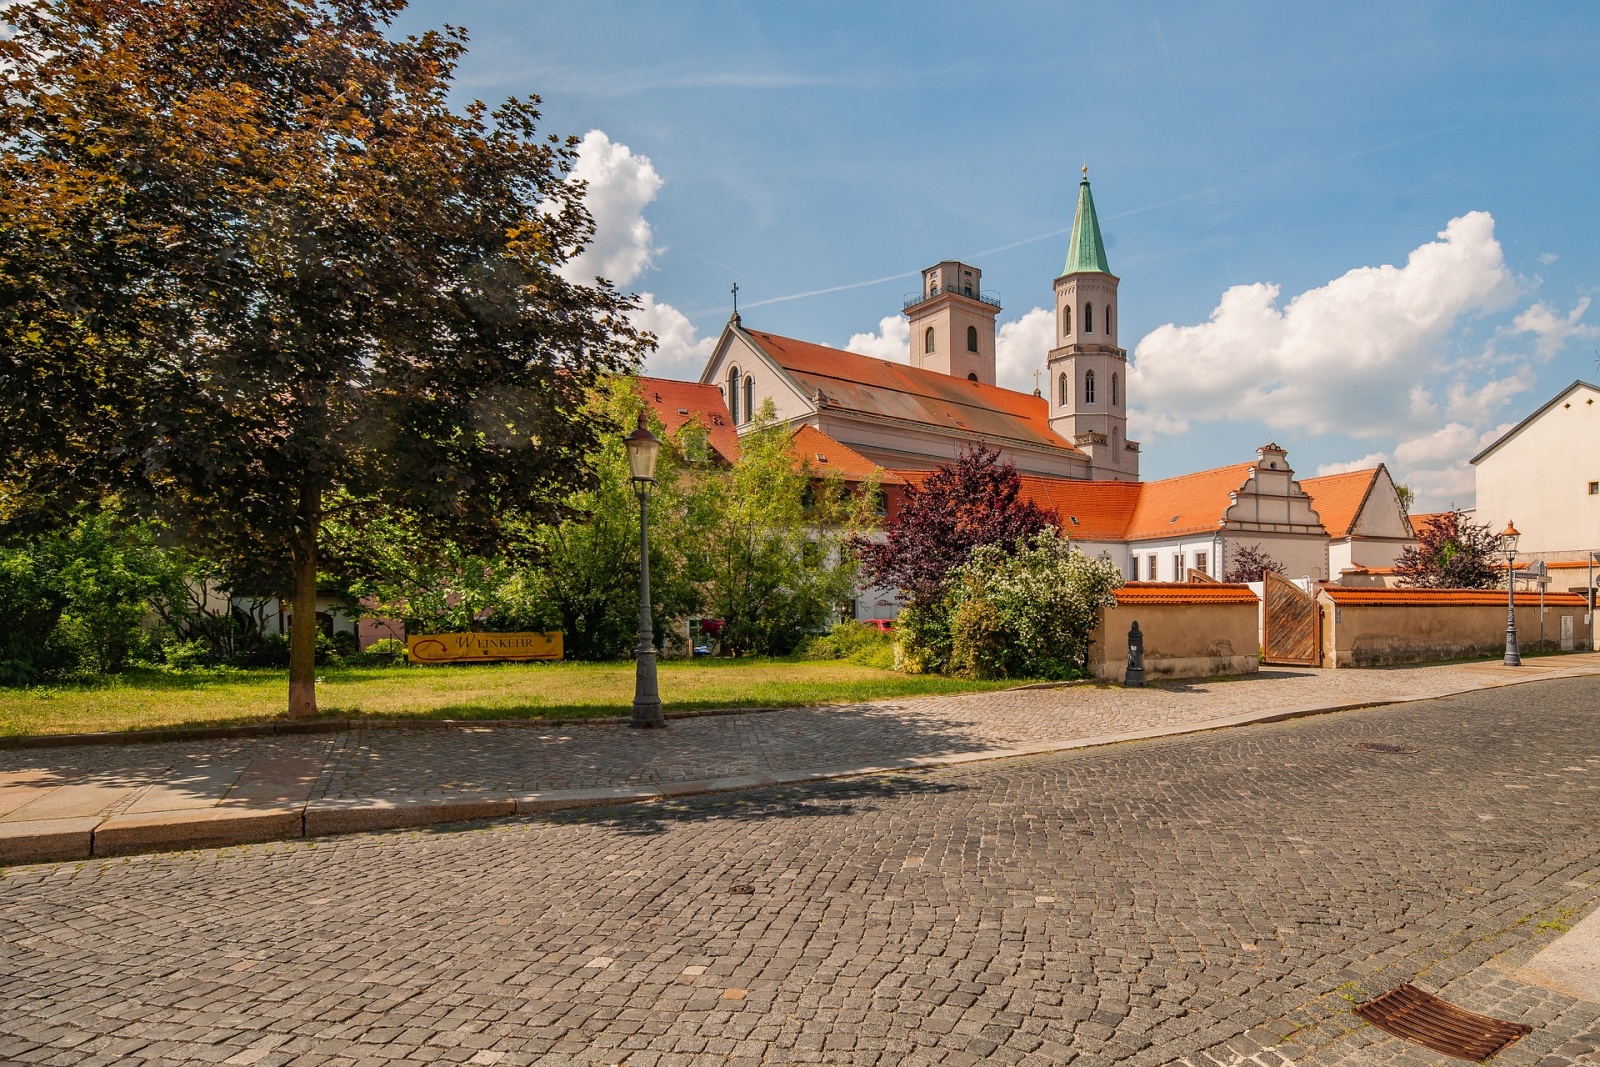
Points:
[(1509, 539), (643, 449)]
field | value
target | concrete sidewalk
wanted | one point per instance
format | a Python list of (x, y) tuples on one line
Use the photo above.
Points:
[(106, 799)]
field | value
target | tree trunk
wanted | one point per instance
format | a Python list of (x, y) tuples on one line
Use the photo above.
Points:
[(303, 627)]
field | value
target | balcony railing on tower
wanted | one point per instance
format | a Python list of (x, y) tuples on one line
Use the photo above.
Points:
[(987, 296)]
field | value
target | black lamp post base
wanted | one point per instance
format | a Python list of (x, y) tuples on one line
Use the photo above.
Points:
[(647, 717)]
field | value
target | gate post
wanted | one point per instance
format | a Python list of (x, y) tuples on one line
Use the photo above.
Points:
[(1134, 676)]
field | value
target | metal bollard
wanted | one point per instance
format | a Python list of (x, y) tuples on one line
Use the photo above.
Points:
[(1135, 673)]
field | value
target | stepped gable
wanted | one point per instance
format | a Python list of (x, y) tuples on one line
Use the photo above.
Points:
[(883, 389)]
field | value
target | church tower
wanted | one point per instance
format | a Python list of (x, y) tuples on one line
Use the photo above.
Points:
[(952, 323), (1088, 373)]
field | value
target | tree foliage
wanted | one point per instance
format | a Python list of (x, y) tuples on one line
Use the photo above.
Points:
[(1452, 552), (961, 506), (775, 541), (250, 258), (1250, 564)]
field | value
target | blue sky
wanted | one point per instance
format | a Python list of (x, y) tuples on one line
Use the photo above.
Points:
[(1233, 148)]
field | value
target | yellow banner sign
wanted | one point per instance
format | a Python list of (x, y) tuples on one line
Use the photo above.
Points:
[(482, 648)]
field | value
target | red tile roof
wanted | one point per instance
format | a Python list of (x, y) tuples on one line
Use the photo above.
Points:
[(1338, 498), (677, 403), (1420, 521), (1188, 504), (1101, 509), (1374, 597), (879, 387), (827, 456), (1185, 593)]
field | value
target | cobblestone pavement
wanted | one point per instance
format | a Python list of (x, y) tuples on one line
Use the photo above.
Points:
[(1212, 899), (395, 763)]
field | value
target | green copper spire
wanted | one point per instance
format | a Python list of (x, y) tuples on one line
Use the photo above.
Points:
[(1087, 252)]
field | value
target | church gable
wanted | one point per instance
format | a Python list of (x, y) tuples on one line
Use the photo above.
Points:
[(748, 376)]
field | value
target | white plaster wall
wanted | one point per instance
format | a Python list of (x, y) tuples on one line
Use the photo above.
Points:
[(1539, 479), (1166, 549)]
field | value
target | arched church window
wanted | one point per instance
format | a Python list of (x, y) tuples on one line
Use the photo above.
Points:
[(972, 338), (1088, 387), (749, 398), (1108, 320), (1088, 318), (733, 394), (1116, 391), (927, 340), (1066, 391), (1066, 322), (972, 376)]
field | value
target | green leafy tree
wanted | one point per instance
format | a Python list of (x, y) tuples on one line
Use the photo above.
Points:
[(775, 541), (1452, 552), (32, 598), (587, 581), (113, 575), (250, 257)]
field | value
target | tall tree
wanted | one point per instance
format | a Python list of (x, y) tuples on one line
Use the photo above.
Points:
[(251, 258), (1250, 563), (974, 501), (1452, 552)]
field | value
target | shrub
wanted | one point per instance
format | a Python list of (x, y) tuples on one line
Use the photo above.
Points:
[(979, 642), (1023, 612), (853, 641), (388, 652)]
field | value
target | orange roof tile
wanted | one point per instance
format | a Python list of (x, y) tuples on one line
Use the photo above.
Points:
[(1186, 504), (1185, 593), (827, 456), (1420, 521), (677, 403), (1374, 597), (1338, 498), (852, 382), (1088, 511)]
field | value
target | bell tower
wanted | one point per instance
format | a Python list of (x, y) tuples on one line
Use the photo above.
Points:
[(952, 323), (1088, 373)]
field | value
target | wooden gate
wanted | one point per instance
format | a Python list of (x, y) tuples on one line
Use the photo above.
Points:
[(1290, 632)]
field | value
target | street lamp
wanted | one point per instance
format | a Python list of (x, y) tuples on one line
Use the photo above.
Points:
[(1508, 538), (643, 448)]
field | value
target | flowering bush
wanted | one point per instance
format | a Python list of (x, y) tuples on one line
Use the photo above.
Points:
[(1028, 612)]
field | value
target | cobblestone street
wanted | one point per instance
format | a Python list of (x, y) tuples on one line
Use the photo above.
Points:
[(1220, 898)]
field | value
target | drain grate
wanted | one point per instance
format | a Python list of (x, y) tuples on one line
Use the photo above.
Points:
[(1383, 746), (1408, 1012)]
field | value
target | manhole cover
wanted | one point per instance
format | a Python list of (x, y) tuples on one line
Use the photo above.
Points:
[(744, 890), (1381, 746), (1409, 1013)]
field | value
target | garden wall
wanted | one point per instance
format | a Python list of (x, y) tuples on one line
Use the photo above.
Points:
[(1368, 627), (1190, 631)]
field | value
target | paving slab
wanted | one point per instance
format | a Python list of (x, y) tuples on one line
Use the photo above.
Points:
[(74, 800), (194, 784), (1571, 965)]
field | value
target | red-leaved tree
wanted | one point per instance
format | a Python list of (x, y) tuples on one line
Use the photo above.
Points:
[(1451, 553), (974, 501)]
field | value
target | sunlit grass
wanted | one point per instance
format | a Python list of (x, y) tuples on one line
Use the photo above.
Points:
[(139, 700)]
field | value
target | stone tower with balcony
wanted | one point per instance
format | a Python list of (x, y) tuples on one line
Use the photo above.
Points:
[(952, 323), (1088, 373)]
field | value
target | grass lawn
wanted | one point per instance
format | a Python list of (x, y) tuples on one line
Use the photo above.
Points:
[(146, 699)]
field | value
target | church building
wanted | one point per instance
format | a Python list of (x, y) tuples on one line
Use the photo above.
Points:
[(1068, 440)]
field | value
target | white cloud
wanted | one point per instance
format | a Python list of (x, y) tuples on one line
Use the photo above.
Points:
[(1366, 462), (1364, 356), (680, 351), (1020, 349), (1434, 464), (891, 342), (620, 184), (1551, 328), (1548, 258)]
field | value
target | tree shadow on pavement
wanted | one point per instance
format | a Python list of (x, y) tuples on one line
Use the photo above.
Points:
[(847, 797)]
